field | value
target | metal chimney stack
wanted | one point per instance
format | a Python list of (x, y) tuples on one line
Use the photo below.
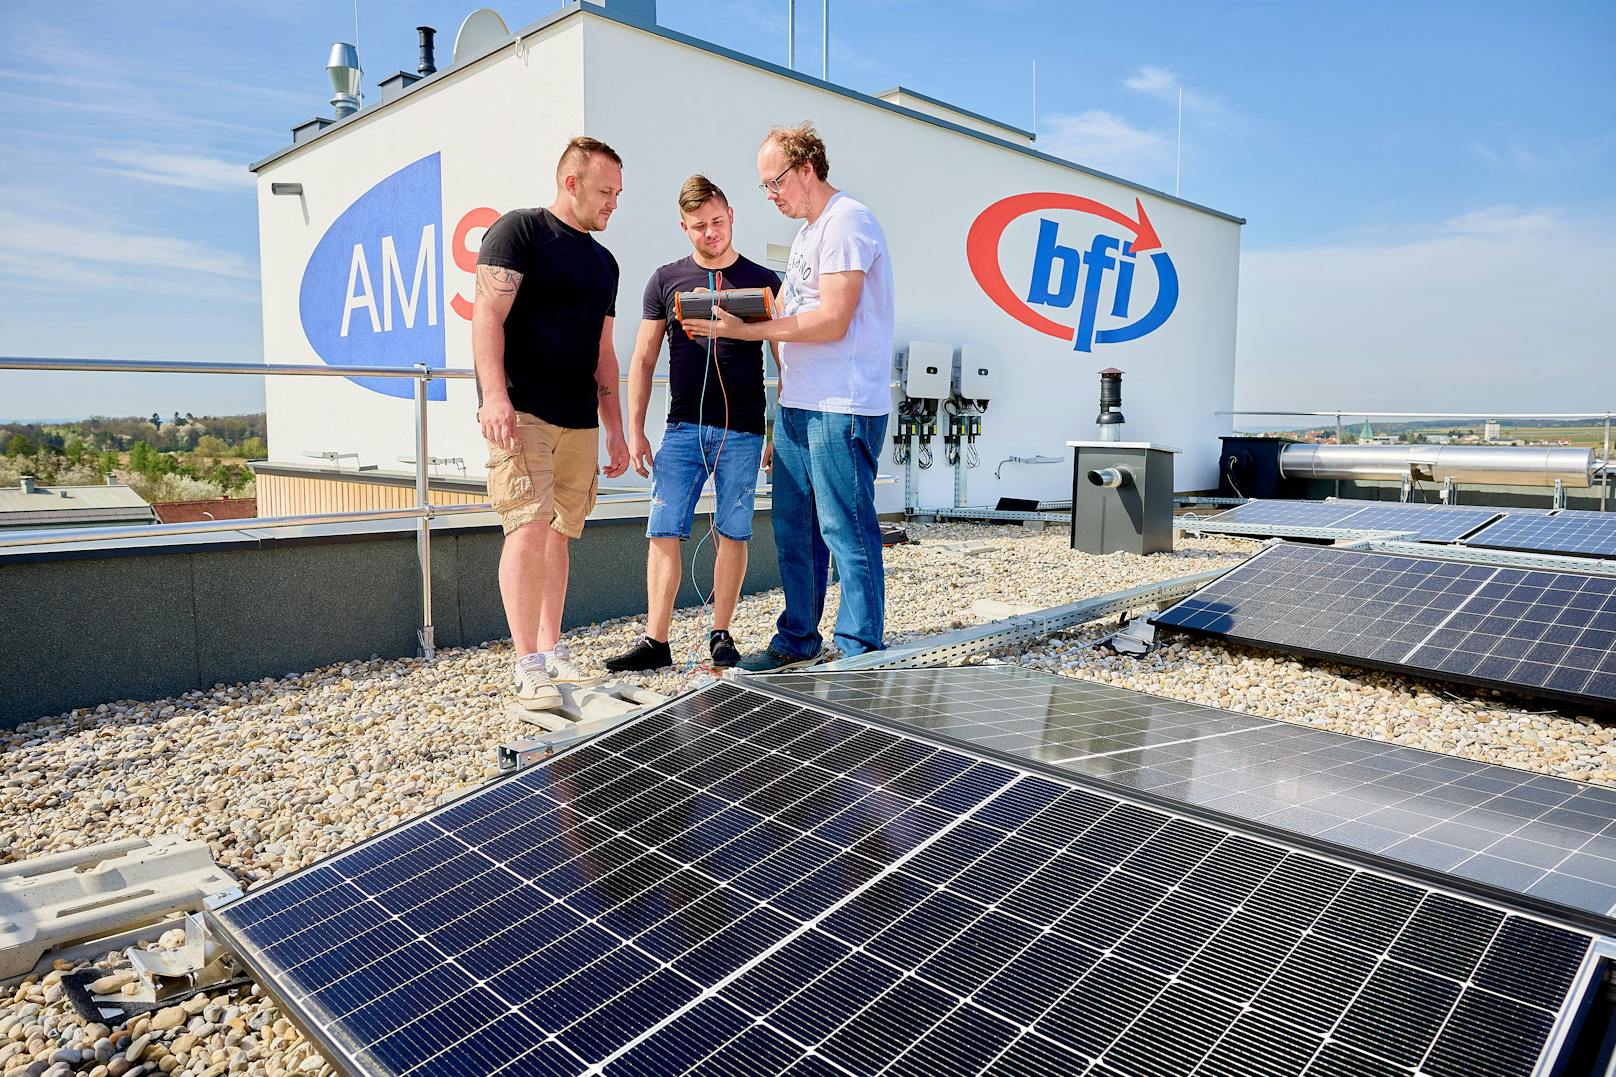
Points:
[(1110, 418), (428, 64), (344, 72)]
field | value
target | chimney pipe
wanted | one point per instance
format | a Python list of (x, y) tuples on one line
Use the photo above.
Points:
[(27, 484), (428, 65), (344, 71), (1110, 418)]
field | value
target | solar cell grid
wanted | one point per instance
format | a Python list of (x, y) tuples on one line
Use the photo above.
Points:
[(1531, 833), (1537, 631), (1568, 531), (625, 955)]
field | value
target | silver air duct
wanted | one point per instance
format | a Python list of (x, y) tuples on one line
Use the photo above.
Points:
[(343, 70), (1112, 478), (1504, 465)]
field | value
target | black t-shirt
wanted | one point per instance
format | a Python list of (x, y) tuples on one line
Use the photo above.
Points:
[(739, 361), (552, 334)]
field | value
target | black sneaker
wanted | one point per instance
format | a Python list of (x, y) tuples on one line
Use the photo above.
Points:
[(772, 661), (722, 646), (644, 656)]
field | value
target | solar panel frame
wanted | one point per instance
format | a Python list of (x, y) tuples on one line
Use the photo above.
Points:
[(1572, 532), (1418, 616), (707, 1012)]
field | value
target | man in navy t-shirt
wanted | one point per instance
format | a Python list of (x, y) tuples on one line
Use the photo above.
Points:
[(715, 427)]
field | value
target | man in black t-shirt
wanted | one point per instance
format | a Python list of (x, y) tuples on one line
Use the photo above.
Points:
[(715, 427), (541, 338)]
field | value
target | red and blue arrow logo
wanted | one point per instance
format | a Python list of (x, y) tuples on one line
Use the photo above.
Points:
[(1064, 275)]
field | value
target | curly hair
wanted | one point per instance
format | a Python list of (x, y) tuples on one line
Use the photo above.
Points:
[(801, 143)]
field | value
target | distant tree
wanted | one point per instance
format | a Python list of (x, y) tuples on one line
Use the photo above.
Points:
[(253, 448), (208, 445), (19, 446), (156, 420)]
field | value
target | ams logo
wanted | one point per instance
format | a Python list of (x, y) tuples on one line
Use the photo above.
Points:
[(1064, 276), (372, 292)]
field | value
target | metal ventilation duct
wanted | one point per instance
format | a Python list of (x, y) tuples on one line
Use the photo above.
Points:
[(1505, 465)]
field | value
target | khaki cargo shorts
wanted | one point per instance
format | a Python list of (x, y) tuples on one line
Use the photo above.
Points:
[(552, 479)]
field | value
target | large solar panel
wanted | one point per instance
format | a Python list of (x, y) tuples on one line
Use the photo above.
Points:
[(1539, 632), (1568, 531), (737, 884), (1535, 834), (1432, 523)]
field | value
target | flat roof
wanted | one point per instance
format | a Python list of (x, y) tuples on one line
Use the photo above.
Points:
[(582, 7), (950, 106)]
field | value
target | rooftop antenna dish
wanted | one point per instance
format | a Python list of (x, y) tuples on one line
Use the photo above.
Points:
[(482, 29)]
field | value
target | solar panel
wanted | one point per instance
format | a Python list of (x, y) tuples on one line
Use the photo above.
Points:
[(1569, 531), (740, 884), (1538, 632), (1534, 834), (1432, 523)]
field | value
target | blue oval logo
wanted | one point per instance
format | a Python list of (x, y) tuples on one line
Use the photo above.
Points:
[(372, 293)]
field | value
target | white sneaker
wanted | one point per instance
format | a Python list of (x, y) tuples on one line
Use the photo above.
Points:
[(534, 690), (561, 670)]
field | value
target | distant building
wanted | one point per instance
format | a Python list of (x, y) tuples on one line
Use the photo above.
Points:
[(1491, 431), (33, 506)]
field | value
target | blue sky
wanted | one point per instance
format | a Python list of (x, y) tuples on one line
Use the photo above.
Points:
[(1432, 222)]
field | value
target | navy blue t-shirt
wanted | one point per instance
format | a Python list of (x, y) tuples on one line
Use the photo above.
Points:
[(734, 384)]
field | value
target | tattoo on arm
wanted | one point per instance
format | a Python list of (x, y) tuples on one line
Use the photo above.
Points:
[(497, 282), (605, 391)]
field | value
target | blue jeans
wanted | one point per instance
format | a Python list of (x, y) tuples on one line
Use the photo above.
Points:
[(824, 506), (687, 456)]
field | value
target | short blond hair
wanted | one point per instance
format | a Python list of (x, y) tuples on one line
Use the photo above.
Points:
[(577, 154), (697, 191), (801, 143)]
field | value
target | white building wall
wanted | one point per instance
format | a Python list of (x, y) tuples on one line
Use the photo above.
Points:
[(926, 184), (499, 126)]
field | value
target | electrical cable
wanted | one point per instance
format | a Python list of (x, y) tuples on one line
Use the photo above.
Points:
[(710, 365)]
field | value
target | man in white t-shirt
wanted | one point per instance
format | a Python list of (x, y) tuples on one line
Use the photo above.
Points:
[(834, 342)]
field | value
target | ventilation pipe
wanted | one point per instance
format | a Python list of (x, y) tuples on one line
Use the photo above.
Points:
[(428, 64), (343, 70), (1110, 418)]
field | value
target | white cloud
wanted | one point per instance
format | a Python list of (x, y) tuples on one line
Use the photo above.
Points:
[(1163, 84), (1154, 81), (179, 170), (1502, 309), (1106, 141), (34, 249)]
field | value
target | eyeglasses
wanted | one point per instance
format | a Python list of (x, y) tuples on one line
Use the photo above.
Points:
[(773, 186)]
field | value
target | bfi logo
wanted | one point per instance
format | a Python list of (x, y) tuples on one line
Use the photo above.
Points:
[(1064, 274)]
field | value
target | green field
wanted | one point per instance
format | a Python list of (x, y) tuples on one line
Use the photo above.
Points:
[(1592, 436)]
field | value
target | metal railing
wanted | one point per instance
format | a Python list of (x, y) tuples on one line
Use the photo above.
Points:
[(1603, 466), (423, 512)]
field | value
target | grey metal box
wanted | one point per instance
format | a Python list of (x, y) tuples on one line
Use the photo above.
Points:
[(1133, 516)]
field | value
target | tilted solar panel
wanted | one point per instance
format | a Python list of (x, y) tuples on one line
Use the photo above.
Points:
[(1568, 531), (1536, 834), (1540, 632), (740, 884), (1432, 523), (1291, 513)]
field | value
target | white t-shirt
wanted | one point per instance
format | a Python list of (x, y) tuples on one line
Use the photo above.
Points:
[(851, 375)]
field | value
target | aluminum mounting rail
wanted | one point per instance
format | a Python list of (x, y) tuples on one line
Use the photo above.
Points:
[(1024, 628)]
